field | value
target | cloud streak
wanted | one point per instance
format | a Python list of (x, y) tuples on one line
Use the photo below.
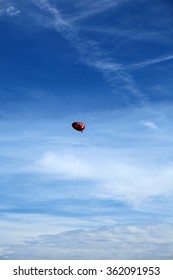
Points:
[(150, 62), (91, 8)]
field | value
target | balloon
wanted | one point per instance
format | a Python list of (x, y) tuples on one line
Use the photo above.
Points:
[(79, 126)]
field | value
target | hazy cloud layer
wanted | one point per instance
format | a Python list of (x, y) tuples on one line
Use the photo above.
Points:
[(118, 242), (132, 167)]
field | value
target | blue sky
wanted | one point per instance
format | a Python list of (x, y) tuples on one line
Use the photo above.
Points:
[(108, 63)]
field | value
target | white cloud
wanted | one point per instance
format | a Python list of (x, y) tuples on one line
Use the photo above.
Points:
[(116, 176), (12, 11), (7, 8), (118, 242), (149, 124)]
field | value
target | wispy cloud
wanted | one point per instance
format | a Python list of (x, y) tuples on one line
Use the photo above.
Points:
[(8, 9), (12, 11), (90, 51)]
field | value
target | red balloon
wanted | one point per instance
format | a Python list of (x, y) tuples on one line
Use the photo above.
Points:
[(79, 126)]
